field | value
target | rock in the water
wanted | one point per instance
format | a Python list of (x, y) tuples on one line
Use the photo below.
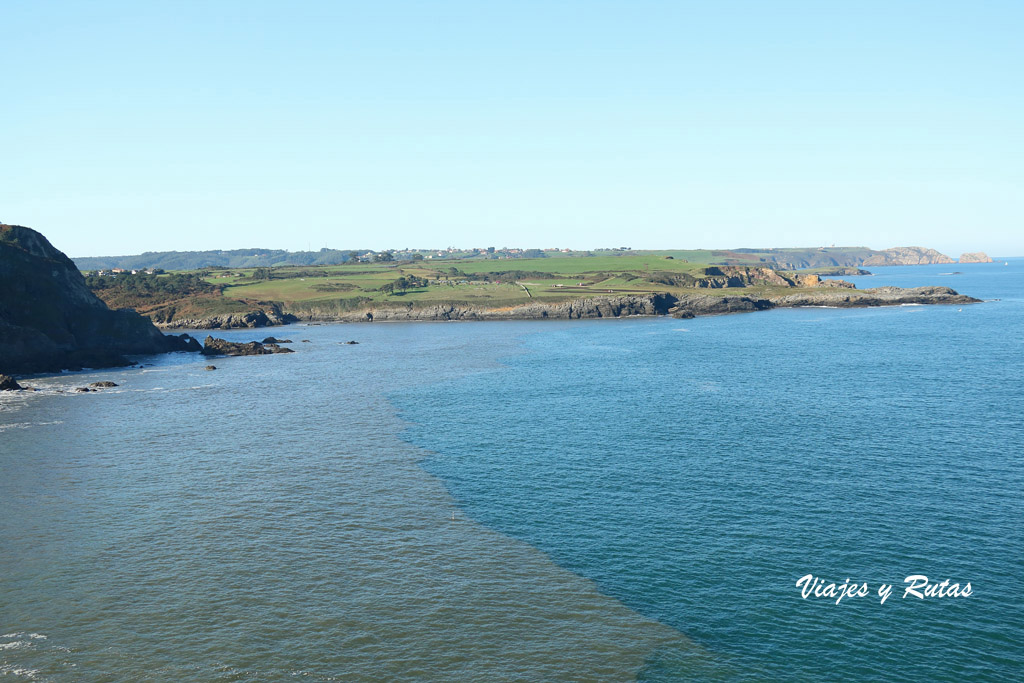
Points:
[(102, 385), (274, 348), (975, 257), (83, 390), (8, 384), (351, 342), (272, 340), (222, 347), (210, 367), (305, 341)]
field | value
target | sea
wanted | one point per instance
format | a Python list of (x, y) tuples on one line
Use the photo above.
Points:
[(594, 500)]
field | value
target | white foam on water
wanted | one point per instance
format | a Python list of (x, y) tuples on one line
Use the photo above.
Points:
[(27, 425), (30, 674)]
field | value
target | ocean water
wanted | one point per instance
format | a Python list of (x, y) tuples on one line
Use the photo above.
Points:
[(590, 500)]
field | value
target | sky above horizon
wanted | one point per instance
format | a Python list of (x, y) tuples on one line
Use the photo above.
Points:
[(131, 127)]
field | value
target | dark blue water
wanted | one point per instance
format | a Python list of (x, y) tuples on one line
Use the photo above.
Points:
[(696, 469)]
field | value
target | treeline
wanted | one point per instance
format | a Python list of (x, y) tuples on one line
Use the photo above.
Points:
[(144, 286), (234, 258)]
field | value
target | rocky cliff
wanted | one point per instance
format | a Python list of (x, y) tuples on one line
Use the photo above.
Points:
[(906, 256), (596, 307), (720, 277), (685, 305), (50, 320), (975, 257), (266, 315)]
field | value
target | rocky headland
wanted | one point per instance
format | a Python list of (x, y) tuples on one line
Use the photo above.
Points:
[(685, 305), (51, 321), (906, 256)]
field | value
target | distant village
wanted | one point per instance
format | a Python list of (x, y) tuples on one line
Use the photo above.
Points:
[(391, 255)]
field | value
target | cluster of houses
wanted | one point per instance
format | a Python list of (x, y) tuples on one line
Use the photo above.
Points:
[(122, 271)]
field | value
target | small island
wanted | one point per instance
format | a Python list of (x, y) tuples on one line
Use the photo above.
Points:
[(975, 257)]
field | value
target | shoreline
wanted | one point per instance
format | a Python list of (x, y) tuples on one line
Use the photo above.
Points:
[(664, 304)]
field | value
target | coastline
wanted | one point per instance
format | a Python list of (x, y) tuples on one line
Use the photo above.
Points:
[(684, 306)]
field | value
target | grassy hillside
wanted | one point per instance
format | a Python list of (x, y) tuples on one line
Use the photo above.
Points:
[(481, 282)]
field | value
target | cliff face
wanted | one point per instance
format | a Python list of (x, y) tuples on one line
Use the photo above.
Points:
[(906, 256), (685, 305), (597, 307), (267, 315), (975, 257), (719, 277), (49, 320)]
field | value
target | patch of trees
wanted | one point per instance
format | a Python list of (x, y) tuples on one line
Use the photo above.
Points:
[(143, 286), (282, 274), (232, 259), (403, 284), (513, 275)]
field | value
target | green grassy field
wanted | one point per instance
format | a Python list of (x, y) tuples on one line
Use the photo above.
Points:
[(484, 282), (494, 282)]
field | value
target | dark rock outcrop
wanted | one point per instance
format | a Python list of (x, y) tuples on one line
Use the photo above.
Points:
[(8, 383), (222, 347), (50, 320), (272, 340), (693, 305), (268, 314), (103, 385), (210, 367)]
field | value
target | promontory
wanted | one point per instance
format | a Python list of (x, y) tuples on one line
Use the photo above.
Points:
[(50, 320)]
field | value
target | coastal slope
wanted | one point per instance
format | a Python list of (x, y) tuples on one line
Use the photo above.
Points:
[(50, 320)]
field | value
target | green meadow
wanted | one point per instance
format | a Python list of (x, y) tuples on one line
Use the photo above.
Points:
[(484, 282)]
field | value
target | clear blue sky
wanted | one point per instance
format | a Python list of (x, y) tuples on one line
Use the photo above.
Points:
[(136, 126)]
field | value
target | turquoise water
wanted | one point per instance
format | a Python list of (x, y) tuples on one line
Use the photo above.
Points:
[(589, 500)]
